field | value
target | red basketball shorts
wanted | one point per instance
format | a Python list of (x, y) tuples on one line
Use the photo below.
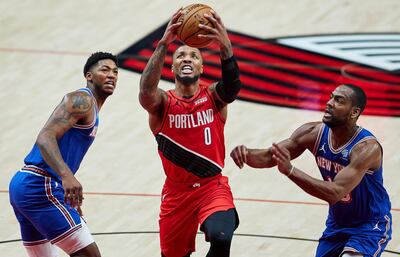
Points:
[(185, 206)]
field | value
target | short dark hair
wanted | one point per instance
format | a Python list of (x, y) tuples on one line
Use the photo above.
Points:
[(358, 98), (97, 56)]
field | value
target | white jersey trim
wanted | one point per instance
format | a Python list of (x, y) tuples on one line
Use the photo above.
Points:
[(320, 132), (336, 151), (33, 173)]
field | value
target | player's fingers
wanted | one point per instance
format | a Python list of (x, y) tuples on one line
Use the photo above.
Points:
[(238, 159), (70, 195), (210, 36), (235, 154), (216, 15), (243, 153), (66, 195), (207, 28), (79, 209), (175, 26), (211, 18), (277, 151), (176, 15), (276, 159), (80, 196)]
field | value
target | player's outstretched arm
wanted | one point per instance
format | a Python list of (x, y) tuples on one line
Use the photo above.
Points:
[(150, 96), (75, 106), (302, 138), (365, 156)]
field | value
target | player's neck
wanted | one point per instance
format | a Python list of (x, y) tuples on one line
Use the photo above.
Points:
[(342, 134), (100, 98), (186, 91)]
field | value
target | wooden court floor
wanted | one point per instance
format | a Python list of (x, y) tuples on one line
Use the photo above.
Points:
[(43, 46)]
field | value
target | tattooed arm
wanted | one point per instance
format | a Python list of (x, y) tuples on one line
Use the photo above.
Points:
[(151, 97), (76, 106)]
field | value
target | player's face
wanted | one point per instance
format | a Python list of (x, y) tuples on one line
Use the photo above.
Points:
[(104, 76), (339, 108), (187, 64)]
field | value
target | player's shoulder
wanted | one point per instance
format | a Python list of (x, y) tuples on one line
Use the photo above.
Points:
[(310, 127), (306, 134), (369, 143), (212, 86), (367, 151), (78, 100)]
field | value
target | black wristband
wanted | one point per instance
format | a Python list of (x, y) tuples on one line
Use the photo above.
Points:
[(229, 87), (229, 63)]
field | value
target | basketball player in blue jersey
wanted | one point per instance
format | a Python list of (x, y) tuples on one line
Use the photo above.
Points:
[(45, 195), (350, 161)]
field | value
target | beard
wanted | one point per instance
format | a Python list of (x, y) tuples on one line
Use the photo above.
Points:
[(187, 80), (333, 122)]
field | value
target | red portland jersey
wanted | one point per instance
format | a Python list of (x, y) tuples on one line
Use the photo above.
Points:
[(191, 138)]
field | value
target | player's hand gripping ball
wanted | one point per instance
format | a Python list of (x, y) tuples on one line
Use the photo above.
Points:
[(192, 16)]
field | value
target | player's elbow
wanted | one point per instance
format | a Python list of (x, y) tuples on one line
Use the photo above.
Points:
[(335, 195), (43, 138), (229, 92)]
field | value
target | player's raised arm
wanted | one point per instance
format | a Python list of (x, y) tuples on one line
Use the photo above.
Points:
[(228, 88), (150, 96)]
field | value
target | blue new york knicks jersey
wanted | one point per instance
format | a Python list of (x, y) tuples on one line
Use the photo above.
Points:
[(369, 200), (73, 146)]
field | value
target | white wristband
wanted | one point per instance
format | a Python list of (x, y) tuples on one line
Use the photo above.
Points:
[(290, 172)]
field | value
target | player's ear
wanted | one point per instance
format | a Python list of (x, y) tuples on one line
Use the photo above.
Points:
[(201, 69), (172, 68), (88, 76), (355, 112)]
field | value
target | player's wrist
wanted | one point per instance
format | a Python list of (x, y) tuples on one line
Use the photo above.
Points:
[(290, 173), (162, 43)]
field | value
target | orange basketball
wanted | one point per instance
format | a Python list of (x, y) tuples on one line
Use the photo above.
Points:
[(192, 16)]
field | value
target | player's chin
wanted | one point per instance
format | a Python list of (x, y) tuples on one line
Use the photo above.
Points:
[(327, 119), (108, 91), (329, 122)]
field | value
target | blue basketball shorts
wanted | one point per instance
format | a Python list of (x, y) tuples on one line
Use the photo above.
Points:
[(369, 238), (38, 203)]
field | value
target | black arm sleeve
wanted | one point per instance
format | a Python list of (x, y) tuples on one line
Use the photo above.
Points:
[(229, 87)]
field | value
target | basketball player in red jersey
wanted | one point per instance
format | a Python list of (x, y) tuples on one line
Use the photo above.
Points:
[(188, 124)]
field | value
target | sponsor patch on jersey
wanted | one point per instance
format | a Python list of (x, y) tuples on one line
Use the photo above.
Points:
[(201, 100)]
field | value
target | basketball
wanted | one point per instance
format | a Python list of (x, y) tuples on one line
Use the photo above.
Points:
[(192, 16)]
